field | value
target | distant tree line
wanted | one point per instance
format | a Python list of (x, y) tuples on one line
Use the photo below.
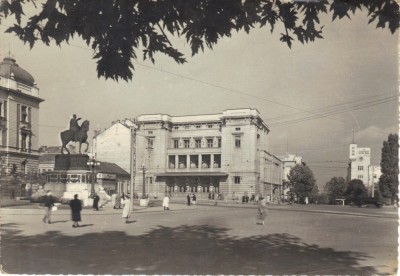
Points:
[(302, 184), (355, 191)]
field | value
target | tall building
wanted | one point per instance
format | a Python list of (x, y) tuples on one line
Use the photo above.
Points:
[(222, 153), (360, 168), (19, 119)]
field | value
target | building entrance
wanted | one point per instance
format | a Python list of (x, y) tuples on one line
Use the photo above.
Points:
[(202, 186)]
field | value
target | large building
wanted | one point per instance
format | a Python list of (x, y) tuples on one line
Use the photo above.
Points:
[(222, 153), (19, 119), (360, 167)]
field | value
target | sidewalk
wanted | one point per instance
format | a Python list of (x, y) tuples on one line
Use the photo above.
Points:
[(386, 211), (179, 204)]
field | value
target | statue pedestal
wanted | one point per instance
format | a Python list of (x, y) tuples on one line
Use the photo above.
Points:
[(66, 162), (144, 202)]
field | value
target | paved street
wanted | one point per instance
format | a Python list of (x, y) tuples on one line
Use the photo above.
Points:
[(202, 240)]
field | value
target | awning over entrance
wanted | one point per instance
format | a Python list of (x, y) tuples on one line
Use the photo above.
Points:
[(192, 174)]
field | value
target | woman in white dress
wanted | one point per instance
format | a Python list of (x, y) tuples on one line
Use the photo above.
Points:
[(126, 212)]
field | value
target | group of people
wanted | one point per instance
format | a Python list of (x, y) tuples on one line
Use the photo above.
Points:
[(125, 203), (76, 208), (191, 199)]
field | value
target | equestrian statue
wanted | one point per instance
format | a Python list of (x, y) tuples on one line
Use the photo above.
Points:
[(75, 133)]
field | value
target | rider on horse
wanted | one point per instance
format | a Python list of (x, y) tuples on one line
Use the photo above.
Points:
[(74, 126)]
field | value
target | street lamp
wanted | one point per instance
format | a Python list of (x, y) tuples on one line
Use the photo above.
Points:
[(144, 182), (92, 163)]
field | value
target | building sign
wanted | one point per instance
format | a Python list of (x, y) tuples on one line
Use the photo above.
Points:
[(365, 152), (106, 176)]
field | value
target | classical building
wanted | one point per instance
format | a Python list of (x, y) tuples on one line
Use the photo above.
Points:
[(19, 129), (222, 153), (360, 167), (19, 119)]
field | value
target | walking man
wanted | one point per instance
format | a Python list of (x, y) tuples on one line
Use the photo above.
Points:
[(96, 200), (48, 205)]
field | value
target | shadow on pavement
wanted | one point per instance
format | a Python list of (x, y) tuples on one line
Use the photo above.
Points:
[(184, 249), (85, 225), (59, 221)]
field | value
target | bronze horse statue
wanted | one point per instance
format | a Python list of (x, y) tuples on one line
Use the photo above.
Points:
[(69, 136)]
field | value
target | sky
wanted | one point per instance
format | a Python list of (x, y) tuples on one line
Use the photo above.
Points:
[(316, 98)]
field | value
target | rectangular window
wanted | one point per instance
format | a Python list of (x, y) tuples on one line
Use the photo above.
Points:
[(360, 168), (210, 126), (219, 142), (237, 129), (176, 127), (209, 143), (360, 176), (186, 143), (23, 141), (198, 143), (237, 141), (198, 126), (237, 179), (150, 143), (176, 144), (24, 113)]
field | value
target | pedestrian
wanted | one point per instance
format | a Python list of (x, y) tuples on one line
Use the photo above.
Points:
[(48, 203), (188, 199), (126, 212), (193, 199), (262, 211), (96, 200), (166, 202), (76, 207), (117, 204)]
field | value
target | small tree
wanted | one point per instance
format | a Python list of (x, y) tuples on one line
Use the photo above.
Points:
[(303, 182), (355, 191), (335, 188), (388, 182)]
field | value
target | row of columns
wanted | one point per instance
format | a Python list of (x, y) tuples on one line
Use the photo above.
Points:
[(176, 164)]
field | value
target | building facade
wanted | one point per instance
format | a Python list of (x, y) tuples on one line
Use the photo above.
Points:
[(360, 168), (114, 144), (288, 162), (19, 119), (219, 153)]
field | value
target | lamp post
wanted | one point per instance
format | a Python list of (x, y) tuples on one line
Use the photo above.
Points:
[(92, 163), (144, 182)]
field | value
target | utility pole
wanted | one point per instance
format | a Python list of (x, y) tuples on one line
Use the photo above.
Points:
[(133, 128)]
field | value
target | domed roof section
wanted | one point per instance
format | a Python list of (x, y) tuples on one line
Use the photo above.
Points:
[(10, 69)]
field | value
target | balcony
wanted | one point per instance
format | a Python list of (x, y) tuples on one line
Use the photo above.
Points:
[(182, 168), (193, 151)]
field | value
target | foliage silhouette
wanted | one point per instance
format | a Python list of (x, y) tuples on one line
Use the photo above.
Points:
[(116, 30)]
